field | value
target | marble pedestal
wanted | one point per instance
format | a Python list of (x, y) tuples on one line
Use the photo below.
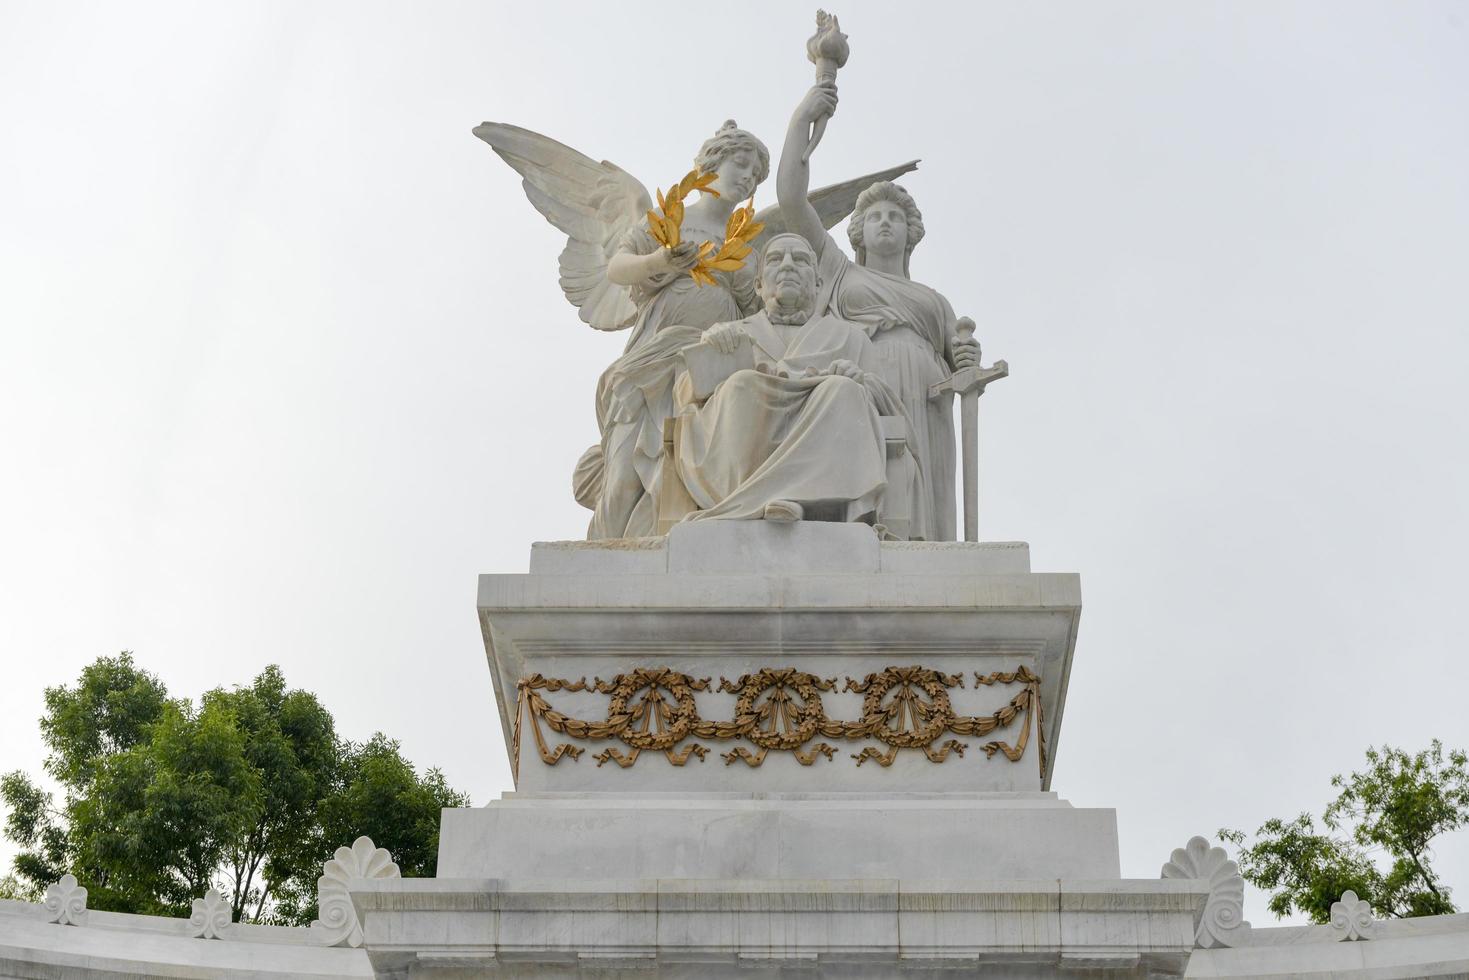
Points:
[(752, 746), (891, 853), (722, 600)]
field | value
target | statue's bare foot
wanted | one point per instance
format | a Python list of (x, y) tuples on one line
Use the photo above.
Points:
[(784, 511)]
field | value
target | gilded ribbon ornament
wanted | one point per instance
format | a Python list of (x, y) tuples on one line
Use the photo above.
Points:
[(778, 710)]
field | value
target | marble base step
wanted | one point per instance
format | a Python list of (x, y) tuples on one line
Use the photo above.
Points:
[(748, 929), (977, 836)]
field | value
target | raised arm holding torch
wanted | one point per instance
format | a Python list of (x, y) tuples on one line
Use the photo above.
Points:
[(828, 51)]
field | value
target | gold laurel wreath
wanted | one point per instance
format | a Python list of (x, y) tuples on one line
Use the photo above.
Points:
[(739, 231), (665, 227)]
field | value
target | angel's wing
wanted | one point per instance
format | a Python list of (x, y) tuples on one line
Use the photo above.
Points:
[(593, 203), (833, 202)]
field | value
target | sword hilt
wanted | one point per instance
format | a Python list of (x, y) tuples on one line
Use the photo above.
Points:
[(970, 379)]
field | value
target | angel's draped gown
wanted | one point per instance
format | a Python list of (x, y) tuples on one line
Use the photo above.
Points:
[(635, 394), (909, 324)]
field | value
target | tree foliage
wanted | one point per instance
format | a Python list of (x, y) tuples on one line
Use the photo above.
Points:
[(14, 889), (249, 792), (1375, 839)]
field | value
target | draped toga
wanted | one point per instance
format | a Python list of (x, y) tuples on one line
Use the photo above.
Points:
[(909, 325), (635, 394), (787, 431)]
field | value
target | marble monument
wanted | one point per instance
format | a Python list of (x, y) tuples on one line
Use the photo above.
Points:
[(770, 718)]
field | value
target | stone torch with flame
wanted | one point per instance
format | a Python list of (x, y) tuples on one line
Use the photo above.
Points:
[(828, 51)]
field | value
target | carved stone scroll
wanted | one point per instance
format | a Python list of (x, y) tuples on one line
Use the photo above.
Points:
[(1222, 923), (363, 860)]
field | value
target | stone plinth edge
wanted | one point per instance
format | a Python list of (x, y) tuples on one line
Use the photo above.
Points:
[(760, 547), (1009, 836), (726, 925)]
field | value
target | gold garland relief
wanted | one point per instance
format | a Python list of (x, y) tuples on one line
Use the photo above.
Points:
[(777, 710)]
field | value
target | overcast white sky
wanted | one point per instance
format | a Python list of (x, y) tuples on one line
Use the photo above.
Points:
[(284, 364)]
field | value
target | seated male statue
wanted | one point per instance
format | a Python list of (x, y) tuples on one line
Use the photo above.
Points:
[(797, 437)]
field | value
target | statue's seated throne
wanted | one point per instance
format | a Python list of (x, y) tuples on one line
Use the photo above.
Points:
[(706, 368)]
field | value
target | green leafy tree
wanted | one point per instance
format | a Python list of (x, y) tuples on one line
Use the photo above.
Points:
[(13, 888), (291, 741), (249, 792), (383, 797), (36, 825), (110, 711), (1388, 814), (161, 816)]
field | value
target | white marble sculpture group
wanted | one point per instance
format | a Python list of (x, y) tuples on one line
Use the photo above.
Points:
[(803, 385)]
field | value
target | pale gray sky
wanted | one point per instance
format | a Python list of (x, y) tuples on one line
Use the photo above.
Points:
[(284, 365)]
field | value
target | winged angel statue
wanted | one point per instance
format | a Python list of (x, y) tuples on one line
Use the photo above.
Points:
[(619, 277)]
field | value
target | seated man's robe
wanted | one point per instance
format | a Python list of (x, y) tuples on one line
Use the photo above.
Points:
[(787, 430)]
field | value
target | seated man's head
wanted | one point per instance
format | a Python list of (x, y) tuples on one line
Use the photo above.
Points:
[(788, 279)]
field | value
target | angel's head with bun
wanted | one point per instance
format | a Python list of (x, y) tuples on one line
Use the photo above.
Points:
[(740, 159)]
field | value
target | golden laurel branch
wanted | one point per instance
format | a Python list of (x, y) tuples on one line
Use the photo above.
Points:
[(738, 233), (665, 225)]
